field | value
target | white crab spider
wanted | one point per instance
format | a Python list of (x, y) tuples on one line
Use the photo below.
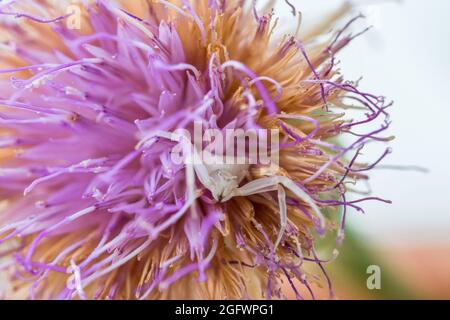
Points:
[(223, 182), (222, 179)]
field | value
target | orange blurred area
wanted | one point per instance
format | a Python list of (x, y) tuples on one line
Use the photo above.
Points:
[(427, 268), (418, 272)]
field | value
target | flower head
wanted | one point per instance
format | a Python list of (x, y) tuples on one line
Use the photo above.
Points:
[(93, 205)]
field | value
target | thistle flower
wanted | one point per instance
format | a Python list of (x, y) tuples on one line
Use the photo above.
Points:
[(93, 205)]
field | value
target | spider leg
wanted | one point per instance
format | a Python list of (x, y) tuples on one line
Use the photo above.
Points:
[(253, 187), (200, 169), (193, 166), (283, 214), (302, 195), (264, 185), (272, 183)]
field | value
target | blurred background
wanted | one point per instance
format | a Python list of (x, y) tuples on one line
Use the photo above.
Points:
[(405, 57)]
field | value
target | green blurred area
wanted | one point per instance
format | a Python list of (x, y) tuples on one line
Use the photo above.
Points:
[(349, 271)]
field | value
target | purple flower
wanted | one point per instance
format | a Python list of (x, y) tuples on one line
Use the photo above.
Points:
[(93, 205)]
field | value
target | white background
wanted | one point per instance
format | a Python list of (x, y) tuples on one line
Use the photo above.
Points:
[(406, 57)]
